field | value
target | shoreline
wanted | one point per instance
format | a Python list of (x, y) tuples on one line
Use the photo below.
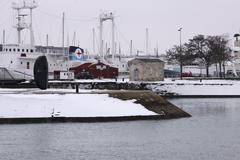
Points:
[(79, 119), (199, 96)]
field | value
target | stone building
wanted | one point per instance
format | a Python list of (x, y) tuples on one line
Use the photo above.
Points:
[(144, 69)]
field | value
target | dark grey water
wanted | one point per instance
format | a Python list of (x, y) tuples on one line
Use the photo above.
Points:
[(212, 133)]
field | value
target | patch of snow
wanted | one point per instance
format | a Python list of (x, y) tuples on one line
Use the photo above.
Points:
[(93, 80), (68, 105), (205, 87)]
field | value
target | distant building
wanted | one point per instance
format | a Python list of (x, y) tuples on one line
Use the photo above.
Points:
[(144, 69), (95, 70)]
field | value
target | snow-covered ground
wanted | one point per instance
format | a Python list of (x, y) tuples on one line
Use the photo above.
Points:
[(30, 105), (204, 87), (119, 80)]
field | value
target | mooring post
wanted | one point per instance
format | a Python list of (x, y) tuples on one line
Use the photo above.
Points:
[(77, 88)]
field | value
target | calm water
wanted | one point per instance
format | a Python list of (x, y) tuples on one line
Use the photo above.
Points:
[(213, 133)]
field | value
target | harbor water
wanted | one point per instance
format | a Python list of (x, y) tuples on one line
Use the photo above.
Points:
[(212, 133)]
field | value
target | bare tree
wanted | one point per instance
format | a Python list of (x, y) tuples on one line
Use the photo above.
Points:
[(179, 55), (218, 46), (210, 50), (199, 47)]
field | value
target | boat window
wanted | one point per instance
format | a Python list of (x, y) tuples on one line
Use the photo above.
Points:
[(21, 62), (22, 50), (18, 50), (31, 50), (10, 50), (26, 50), (11, 62), (6, 49), (14, 49)]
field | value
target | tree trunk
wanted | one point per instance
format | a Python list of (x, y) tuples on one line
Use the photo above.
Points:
[(220, 69), (181, 70), (207, 70), (224, 69)]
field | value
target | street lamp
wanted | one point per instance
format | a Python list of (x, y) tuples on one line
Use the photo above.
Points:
[(180, 38)]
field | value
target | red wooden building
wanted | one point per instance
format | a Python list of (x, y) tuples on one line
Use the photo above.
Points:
[(95, 70)]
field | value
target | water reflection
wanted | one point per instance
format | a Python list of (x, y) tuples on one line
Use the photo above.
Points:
[(207, 107), (212, 133)]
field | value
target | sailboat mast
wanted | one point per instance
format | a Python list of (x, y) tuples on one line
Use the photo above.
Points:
[(63, 29), (147, 40), (3, 36), (74, 39), (94, 41), (47, 40), (131, 48), (113, 38)]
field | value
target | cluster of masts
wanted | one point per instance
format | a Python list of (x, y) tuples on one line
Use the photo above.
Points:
[(20, 7)]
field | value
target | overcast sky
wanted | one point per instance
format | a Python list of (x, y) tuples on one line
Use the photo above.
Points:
[(162, 17)]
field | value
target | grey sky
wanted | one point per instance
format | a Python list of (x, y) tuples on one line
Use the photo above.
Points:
[(162, 17)]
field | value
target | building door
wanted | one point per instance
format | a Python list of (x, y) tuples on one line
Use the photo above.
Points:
[(136, 75)]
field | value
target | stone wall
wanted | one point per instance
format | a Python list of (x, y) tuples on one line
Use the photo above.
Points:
[(146, 71)]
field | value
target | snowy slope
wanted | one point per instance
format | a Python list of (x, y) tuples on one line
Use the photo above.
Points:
[(68, 105)]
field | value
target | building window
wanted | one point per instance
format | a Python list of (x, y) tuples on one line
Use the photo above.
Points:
[(23, 55), (21, 62), (28, 65)]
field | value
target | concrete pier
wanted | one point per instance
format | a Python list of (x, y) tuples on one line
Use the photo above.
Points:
[(148, 99), (152, 102)]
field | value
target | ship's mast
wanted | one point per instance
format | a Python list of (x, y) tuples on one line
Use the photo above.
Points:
[(21, 24), (105, 17)]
